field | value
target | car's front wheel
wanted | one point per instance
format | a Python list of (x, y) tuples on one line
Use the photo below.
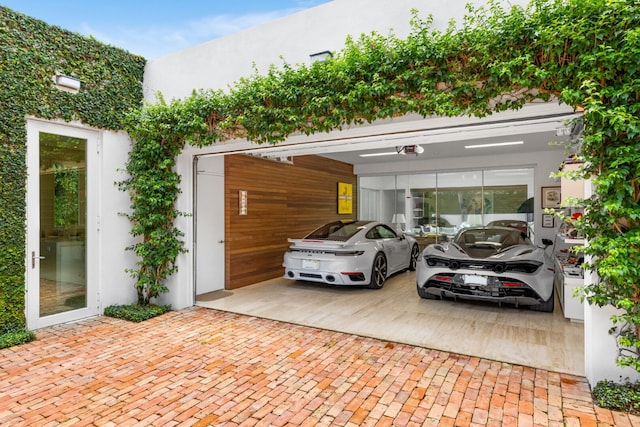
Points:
[(413, 261), (378, 271)]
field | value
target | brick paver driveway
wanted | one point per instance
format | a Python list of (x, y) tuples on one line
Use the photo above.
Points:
[(204, 367)]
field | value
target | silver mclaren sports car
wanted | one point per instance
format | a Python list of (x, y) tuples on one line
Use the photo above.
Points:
[(496, 264), (350, 253)]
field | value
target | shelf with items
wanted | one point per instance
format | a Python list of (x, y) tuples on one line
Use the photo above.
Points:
[(418, 209), (569, 275), (569, 258), (417, 213), (570, 241)]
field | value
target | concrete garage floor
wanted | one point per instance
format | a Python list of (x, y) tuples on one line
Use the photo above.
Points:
[(396, 313)]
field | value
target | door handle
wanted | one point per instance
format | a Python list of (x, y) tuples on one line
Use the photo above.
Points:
[(220, 241), (34, 258)]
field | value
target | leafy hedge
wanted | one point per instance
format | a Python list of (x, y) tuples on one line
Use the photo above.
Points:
[(136, 312), (9, 338), (618, 396), (31, 54), (584, 52)]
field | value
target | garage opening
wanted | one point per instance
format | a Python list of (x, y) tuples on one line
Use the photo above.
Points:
[(430, 195)]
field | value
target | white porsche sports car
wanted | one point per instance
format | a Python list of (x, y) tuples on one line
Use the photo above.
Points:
[(497, 264), (350, 253)]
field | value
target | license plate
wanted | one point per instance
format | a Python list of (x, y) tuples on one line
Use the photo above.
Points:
[(472, 279), (310, 264)]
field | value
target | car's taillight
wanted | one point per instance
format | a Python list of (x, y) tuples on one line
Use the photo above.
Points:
[(350, 253), (443, 278), (512, 284), (528, 267), (431, 261)]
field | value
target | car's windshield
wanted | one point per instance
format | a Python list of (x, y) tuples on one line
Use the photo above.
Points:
[(336, 231), (518, 225), (499, 237)]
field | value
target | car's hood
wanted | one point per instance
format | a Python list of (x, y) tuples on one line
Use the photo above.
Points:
[(517, 252)]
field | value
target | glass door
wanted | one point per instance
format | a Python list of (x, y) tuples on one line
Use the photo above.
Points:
[(58, 285)]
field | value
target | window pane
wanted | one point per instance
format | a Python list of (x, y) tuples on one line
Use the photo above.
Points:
[(511, 191), (460, 200), (442, 203), (62, 224)]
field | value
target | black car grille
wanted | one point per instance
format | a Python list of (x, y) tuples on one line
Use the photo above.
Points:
[(528, 267), (451, 283), (311, 275)]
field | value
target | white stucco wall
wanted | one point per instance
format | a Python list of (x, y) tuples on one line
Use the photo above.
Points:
[(115, 285), (600, 348), (223, 61)]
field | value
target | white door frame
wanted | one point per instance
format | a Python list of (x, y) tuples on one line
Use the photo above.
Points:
[(32, 261)]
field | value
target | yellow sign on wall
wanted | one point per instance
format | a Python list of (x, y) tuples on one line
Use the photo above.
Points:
[(345, 198)]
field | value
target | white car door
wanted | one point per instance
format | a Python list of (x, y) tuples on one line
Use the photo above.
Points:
[(396, 248)]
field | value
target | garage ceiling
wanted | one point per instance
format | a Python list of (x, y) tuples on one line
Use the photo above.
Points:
[(535, 125)]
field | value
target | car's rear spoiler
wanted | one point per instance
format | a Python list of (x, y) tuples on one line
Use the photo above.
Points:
[(314, 243)]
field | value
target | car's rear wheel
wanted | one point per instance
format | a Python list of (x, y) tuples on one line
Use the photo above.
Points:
[(378, 271), (426, 295), (413, 261), (546, 306)]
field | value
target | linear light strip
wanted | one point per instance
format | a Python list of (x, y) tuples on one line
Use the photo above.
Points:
[(386, 153), (494, 144)]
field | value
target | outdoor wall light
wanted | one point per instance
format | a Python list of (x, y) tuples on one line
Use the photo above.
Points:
[(68, 82), (321, 56)]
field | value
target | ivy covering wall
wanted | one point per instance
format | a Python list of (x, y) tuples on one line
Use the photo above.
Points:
[(584, 52), (31, 54)]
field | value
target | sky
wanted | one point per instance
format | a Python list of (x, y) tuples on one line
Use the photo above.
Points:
[(152, 28)]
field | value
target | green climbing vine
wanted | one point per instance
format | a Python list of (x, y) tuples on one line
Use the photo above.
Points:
[(31, 54), (584, 52)]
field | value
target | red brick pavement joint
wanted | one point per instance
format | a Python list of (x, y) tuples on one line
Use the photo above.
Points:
[(201, 367)]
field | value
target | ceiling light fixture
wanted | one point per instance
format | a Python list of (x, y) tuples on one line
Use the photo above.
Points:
[(386, 153), (403, 149), (410, 149), (495, 144)]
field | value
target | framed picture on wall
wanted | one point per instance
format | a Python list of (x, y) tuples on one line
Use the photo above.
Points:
[(551, 197), (345, 198), (548, 220)]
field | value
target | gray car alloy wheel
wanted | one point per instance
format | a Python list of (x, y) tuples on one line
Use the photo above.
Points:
[(378, 271)]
